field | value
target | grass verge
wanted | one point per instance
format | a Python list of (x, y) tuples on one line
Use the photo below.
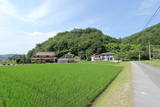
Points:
[(153, 63), (119, 93)]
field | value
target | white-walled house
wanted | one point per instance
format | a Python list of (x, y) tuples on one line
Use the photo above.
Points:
[(109, 56)]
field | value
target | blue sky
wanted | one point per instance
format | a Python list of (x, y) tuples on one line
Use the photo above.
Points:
[(24, 23)]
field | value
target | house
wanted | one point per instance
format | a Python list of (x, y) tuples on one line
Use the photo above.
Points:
[(67, 58), (96, 57), (44, 57), (109, 56)]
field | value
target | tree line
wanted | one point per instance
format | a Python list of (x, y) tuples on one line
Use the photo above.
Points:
[(86, 42)]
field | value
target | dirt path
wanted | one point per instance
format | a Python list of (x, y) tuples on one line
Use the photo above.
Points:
[(146, 85)]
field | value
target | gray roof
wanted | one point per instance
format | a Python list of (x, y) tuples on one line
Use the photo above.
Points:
[(108, 53)]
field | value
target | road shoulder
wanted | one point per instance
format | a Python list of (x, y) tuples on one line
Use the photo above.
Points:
[(119, 93)]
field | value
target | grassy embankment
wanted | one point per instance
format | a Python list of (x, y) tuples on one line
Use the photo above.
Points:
[(153, 63), (119, 93), (7, 62), (54, 85)]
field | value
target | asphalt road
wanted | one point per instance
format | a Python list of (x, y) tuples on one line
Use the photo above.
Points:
[(146, 85)]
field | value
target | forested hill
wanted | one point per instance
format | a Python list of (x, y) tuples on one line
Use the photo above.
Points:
[(81, 42), (151, 33)]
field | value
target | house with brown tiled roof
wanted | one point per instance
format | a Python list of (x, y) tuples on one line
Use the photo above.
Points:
[(44, 57)]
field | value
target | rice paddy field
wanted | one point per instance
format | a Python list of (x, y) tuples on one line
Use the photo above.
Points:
[(54, 85)]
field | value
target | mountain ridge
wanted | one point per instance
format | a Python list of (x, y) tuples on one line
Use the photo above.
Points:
[(151, 34), (85, 42), (5, 56), (81, 42)]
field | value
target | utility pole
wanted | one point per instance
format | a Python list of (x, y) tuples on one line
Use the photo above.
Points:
[(139, 56), (149, 50), (121, 56)]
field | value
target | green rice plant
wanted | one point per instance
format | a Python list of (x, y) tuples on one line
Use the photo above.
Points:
[(54, 85)]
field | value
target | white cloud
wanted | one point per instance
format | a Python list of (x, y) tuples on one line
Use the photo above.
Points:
[(21, 39), (5, 34), (147, 4), (38, 12), (147, 7), (44, 34), (56, 11), (7, 8), (23, 43), (64, 12), (88, 22), (38, 37)]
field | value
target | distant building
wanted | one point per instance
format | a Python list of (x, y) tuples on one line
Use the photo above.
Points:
[(49, 57), (109, 56), (67, 58), (44, 57), (96, 57)]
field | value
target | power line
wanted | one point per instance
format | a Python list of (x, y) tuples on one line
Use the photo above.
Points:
[(146, 25), (155, 13)]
